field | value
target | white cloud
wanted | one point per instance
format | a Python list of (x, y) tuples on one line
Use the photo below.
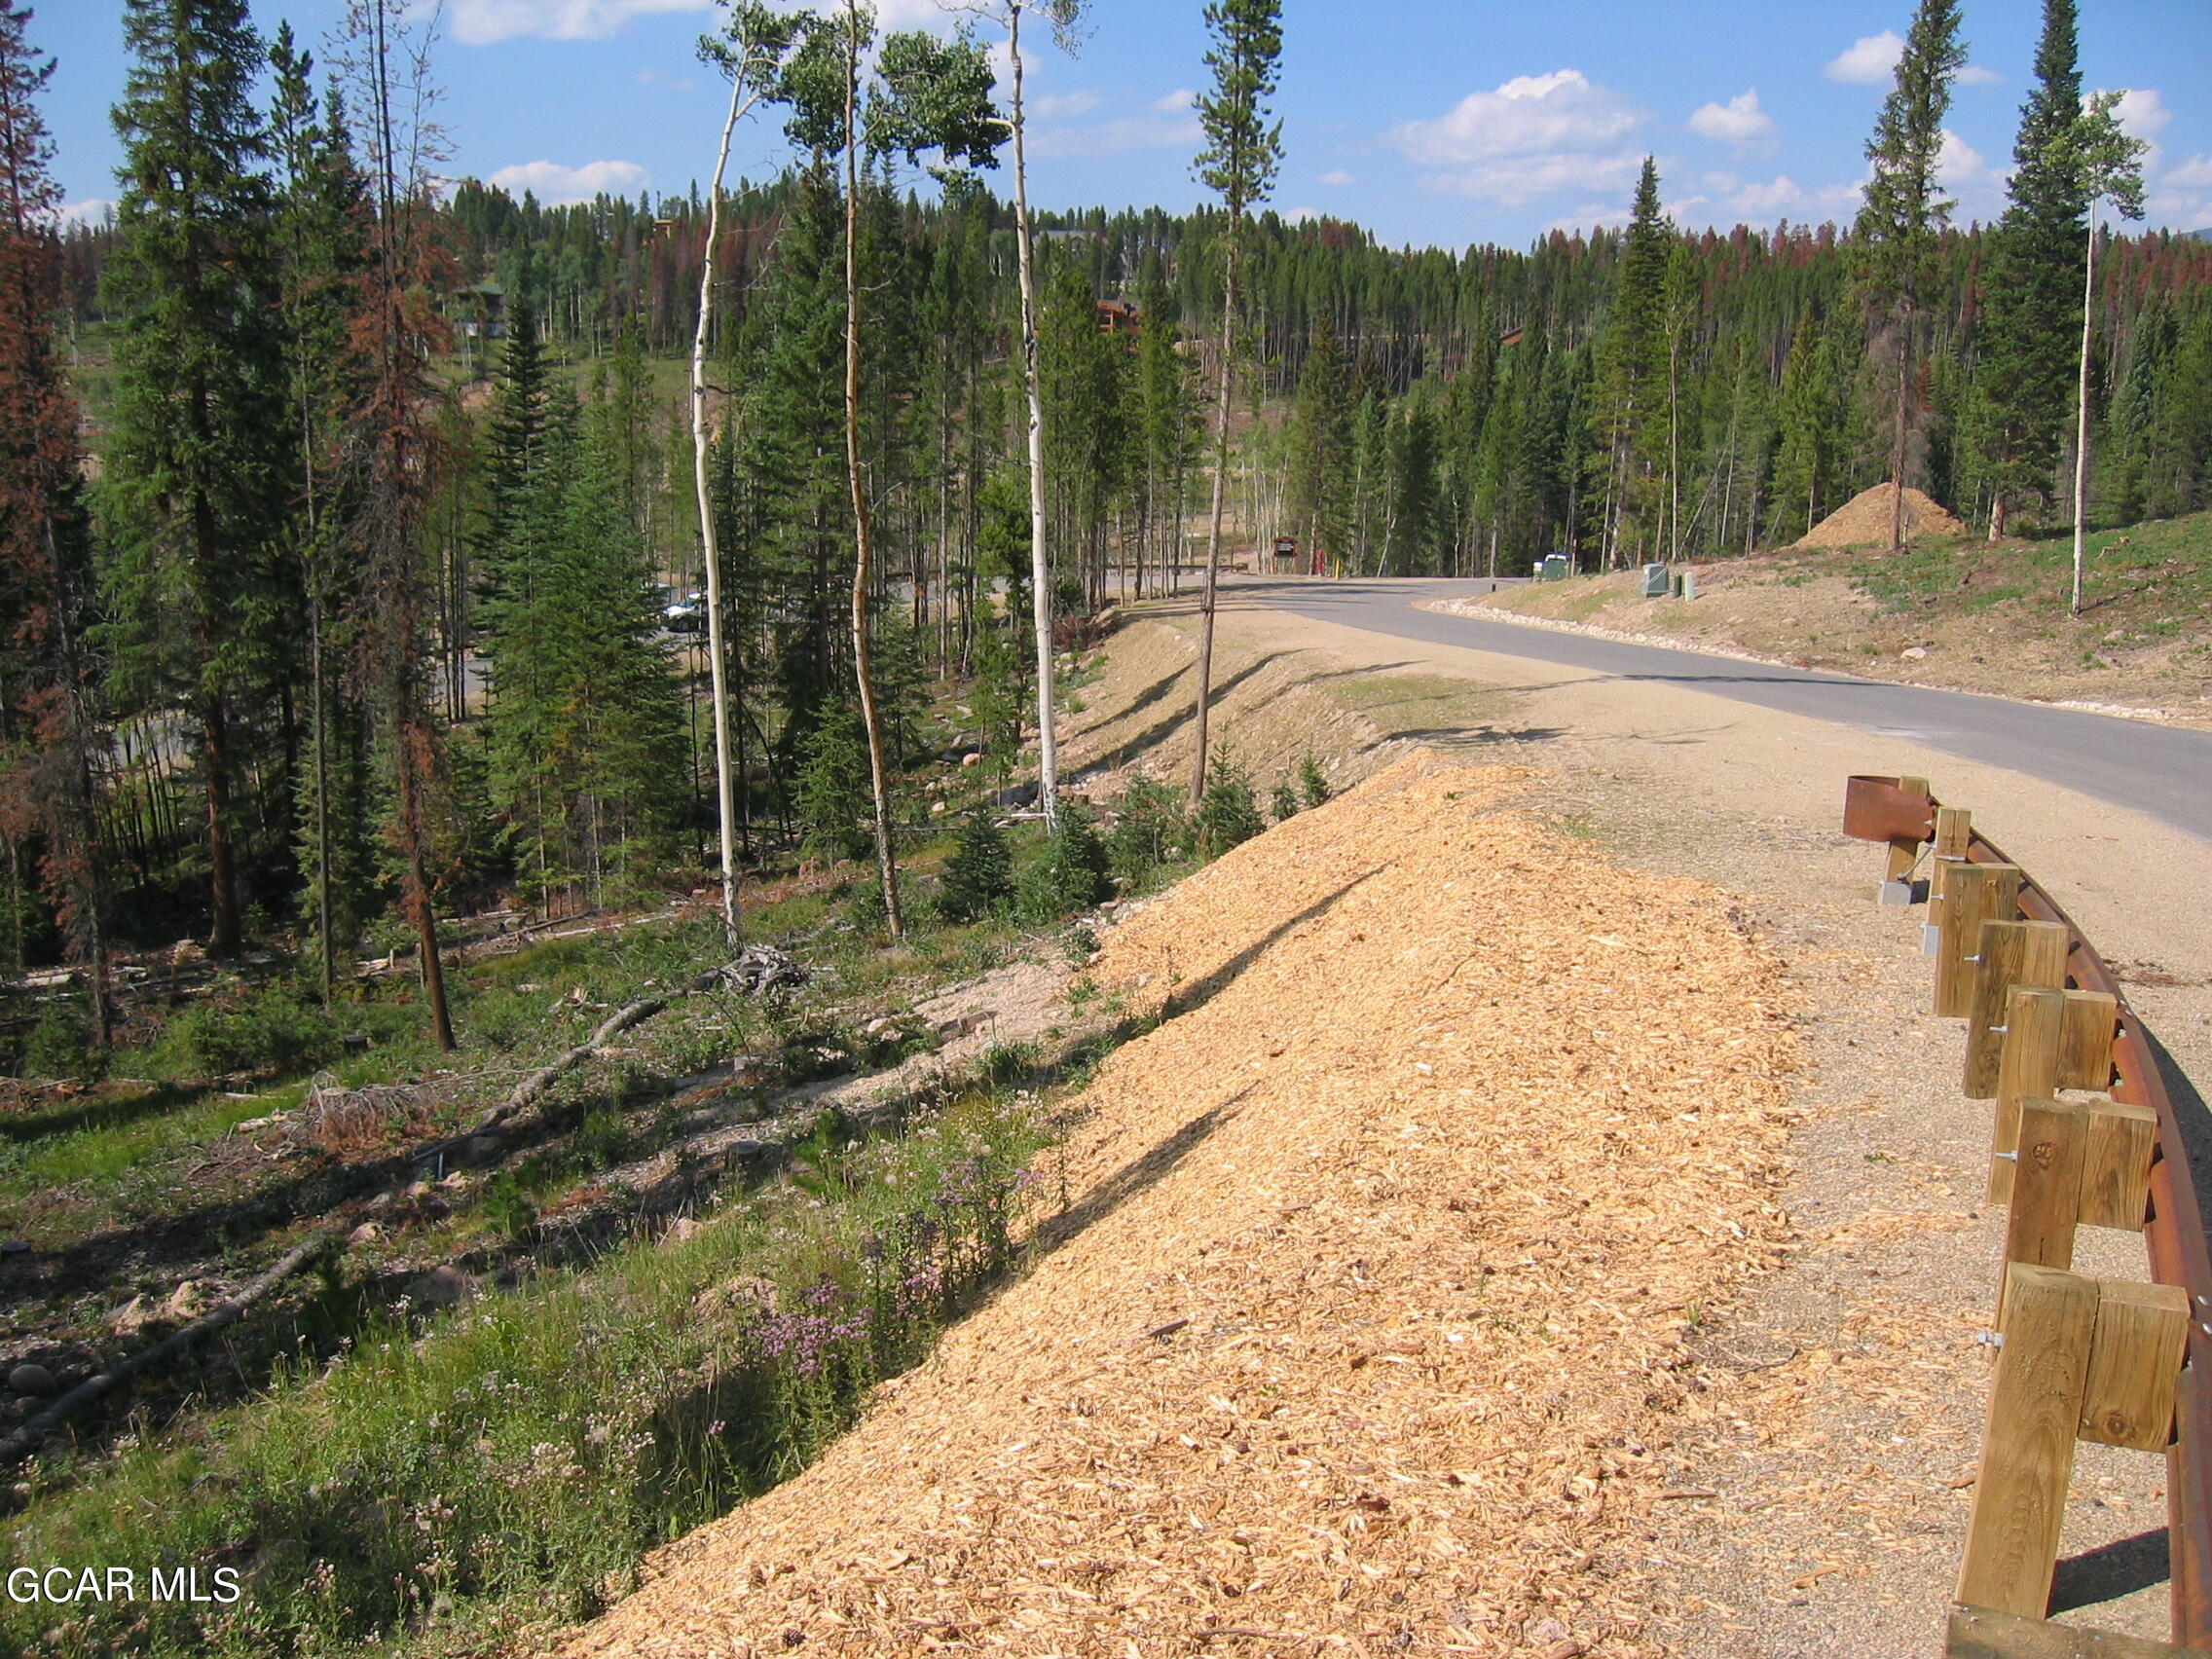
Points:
[(2142, 114), (1527, 113), (1958, 166), (1303, 215), (1181, 97), (1868, 60), (1975, 75), (91, 210), (552, 183), (481, 22), (1532, 136), (2195, 174), (1337, 177), (674, 83), (1082, 101), (484, 23), (1739, 120)]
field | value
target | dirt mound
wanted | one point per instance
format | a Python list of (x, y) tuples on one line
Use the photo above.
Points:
[(1864, 521), (1361, 1325)]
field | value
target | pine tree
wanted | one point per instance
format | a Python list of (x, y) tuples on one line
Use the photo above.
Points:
[(200, 454), (979, 877), (322, 215), (1320, 487), (2026, 358), (1903, 214), (1637, 356), (47, 781), (1243, 153)]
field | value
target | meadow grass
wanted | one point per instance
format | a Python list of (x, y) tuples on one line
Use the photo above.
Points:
[(525, 1450)]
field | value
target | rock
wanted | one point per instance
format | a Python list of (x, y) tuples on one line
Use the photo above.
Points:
[(441, 1287), (32, 1380), (187, 1302), (1913, 653), (366, 1232), (971, 760), (681, 1227), (16, 1247), (962, 1024), (133, 1317)]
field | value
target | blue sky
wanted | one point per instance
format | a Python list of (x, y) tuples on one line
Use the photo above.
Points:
[(1439, 122)]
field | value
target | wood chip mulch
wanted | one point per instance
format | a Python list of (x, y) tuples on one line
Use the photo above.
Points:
[(1370, 1318)]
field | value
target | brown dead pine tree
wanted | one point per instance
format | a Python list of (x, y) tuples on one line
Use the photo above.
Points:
[(48, 784), (394, 442)]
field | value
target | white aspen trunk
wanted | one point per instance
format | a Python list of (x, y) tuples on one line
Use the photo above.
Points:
[(725, 794), (2082, 418), (879, 782), (1040, 566)]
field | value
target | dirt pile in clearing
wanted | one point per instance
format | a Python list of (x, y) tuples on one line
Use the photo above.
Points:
[(1864, 521), (1363, 1327)]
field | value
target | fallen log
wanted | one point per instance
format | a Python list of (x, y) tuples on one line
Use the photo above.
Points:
[(26, 1439)]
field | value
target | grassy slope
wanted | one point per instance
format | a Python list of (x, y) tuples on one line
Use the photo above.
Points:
[(1980, 617)]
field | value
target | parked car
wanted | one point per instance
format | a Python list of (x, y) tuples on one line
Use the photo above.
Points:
[(685, 614)]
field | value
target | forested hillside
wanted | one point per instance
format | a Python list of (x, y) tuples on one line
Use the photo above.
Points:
[(488, 620)]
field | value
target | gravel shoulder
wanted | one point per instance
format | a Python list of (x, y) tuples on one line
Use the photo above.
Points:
[(1848, 1391)]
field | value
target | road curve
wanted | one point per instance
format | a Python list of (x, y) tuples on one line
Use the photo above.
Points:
[(2165, 771)]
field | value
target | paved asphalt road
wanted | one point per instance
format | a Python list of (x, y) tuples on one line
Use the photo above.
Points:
[(2165, 771)]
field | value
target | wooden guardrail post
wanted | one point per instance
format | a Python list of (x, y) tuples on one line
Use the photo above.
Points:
[(2053, 1039), (2011, 954), (2080, 1358), (1973, 894), (1904, 855), (2047, 1184), (1983, 1633), (2085, 1041), (2027, 1068), (1954, 836)]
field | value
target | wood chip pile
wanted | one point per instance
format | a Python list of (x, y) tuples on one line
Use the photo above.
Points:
[(1365, 1329), (1864, 521)]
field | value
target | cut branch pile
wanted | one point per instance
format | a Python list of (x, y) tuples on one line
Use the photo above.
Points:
[(1363, 1328)]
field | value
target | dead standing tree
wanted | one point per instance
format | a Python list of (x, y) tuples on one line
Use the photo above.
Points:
[(395, 451)]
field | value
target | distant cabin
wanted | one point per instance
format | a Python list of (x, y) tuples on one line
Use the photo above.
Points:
[(1116, 317), (480, 312)]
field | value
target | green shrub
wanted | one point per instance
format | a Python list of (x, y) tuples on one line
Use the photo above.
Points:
[(507, 1207), (836, 805), (1285, 802), (1070, 872), (1313, 781), (979, 877), (1148, 829), (59, 1045), (1229, 814), (269, 1031)]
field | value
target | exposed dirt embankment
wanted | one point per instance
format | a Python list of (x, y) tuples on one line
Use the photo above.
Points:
[(1963, 615), (1359, 1311)]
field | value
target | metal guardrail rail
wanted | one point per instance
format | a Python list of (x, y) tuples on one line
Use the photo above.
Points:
[(1880, 809)]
